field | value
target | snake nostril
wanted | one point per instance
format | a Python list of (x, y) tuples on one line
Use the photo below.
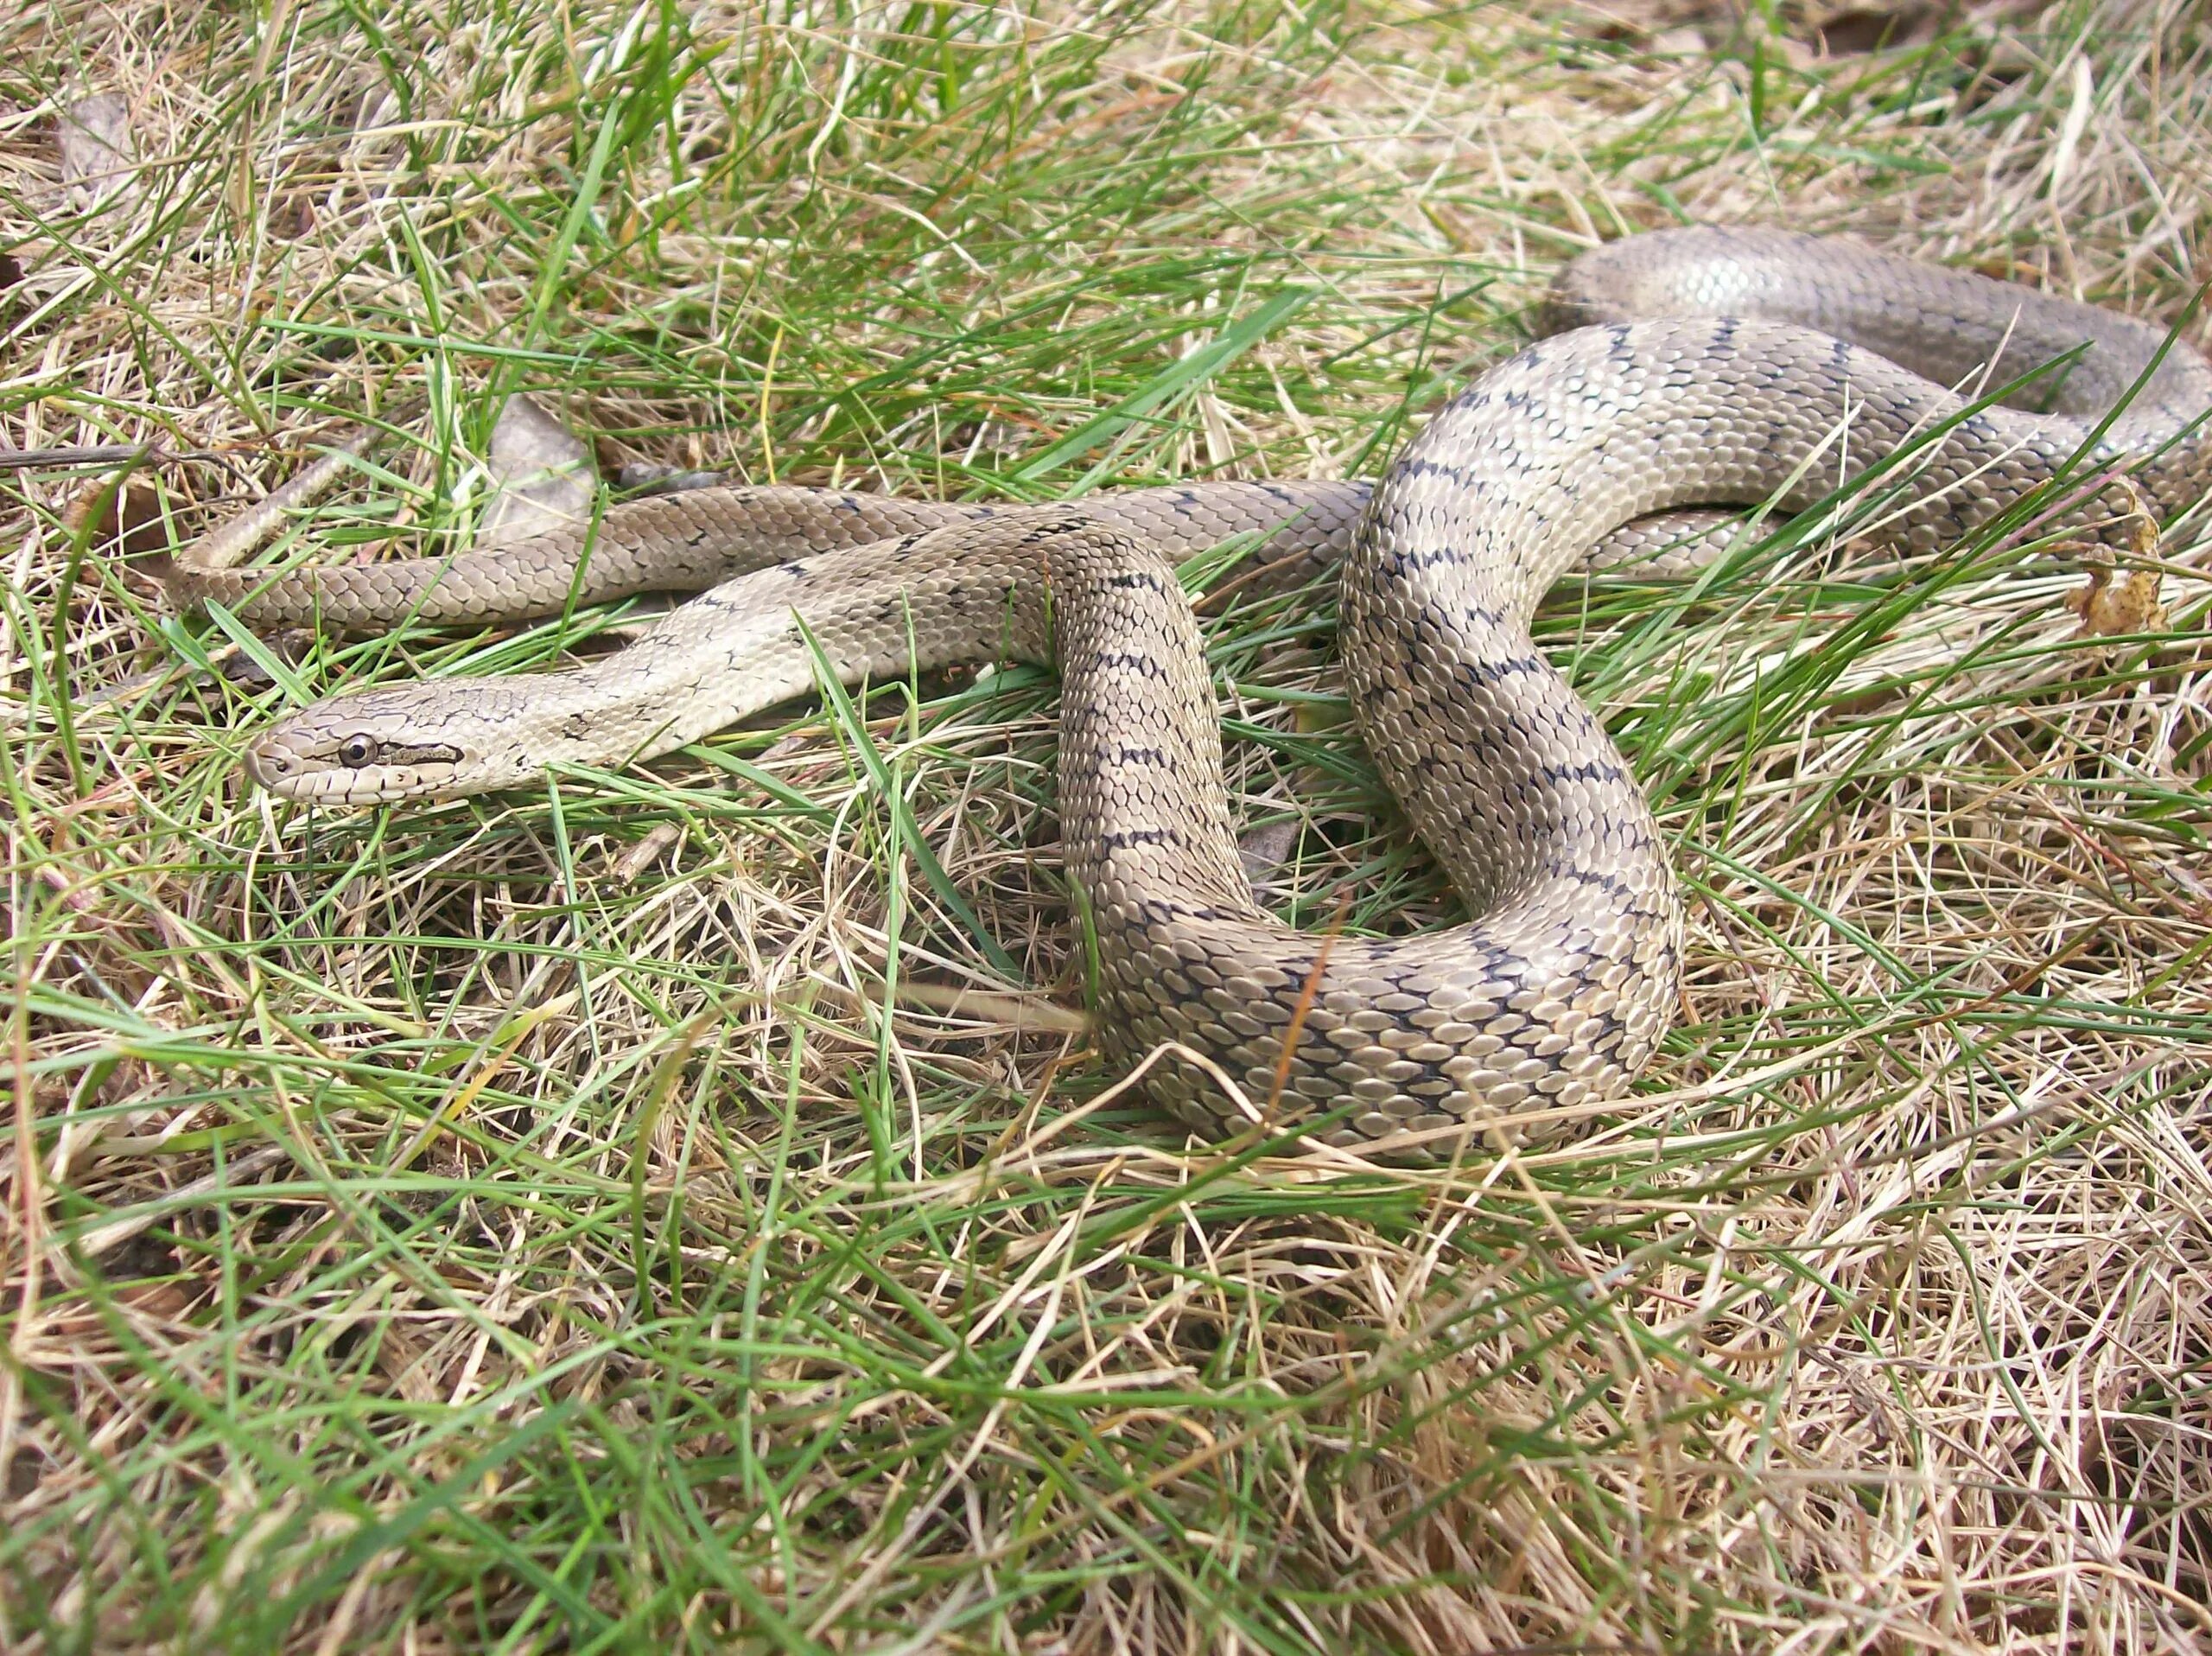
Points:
[(268, 766)]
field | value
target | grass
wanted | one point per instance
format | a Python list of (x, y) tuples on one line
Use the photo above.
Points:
[(530, 1224)]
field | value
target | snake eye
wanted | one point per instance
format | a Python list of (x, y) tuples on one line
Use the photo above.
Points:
[(358, 753)]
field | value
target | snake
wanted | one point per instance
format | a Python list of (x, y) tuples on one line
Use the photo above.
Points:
[(1698, 368)]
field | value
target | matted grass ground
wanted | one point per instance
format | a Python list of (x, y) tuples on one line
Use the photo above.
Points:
[(531, 1224)]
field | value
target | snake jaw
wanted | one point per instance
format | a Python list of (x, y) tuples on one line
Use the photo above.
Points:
[(350, 762)]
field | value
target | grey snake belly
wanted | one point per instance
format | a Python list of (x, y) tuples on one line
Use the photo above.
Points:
[(1703, 367)]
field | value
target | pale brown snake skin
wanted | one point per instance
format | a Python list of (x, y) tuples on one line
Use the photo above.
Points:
[(1557, 991)]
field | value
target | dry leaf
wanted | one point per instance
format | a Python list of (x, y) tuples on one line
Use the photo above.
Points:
[(129, 518), (2116, 601)]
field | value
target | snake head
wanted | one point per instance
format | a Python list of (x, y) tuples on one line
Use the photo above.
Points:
[(349, 751)]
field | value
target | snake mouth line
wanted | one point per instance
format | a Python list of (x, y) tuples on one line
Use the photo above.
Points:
[(353, 768)]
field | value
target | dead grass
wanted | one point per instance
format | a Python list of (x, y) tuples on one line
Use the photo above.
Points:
[(522, 1225)]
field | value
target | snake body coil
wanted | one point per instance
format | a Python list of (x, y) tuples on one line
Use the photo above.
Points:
[(1769, 377)]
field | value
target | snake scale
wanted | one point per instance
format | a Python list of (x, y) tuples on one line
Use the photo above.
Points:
[(1702, 368)]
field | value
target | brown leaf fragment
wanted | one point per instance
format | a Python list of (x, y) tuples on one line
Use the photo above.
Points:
[(2116, 601), (126, 521), (647, 851)]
